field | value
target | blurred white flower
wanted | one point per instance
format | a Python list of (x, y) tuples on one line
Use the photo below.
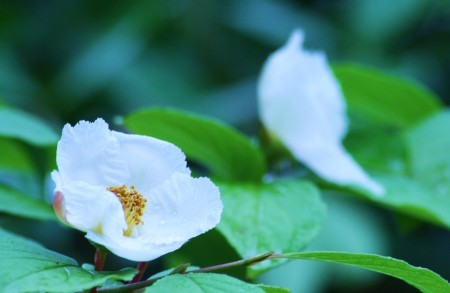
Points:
[(132, 194), (301, 103)]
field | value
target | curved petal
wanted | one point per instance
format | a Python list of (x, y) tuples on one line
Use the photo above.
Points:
[(334, 164), (297, 86), (88, 207), (301, 103), (91, 158), (88, 152), (150, 161), (135, 249), (182, 208)]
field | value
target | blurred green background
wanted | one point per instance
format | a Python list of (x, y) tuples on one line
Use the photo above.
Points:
[(69, 60)]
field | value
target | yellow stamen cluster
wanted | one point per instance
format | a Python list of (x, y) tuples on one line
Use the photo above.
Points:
[(133, 204)]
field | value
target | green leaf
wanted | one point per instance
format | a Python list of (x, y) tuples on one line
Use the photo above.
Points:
[(273, 289), (428, 147), (204, 282), (228, 154), (14, 156), (425, 191), (415, 167), (26, 266), (20, 125), (16, 203), (168, 272), (414, 198), (385, 98), (16, 167), (284, 216), (412, 164), (423, 279), (377, 148)]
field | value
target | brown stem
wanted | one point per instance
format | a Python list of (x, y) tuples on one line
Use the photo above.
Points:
[(99, 262), (142, 266), (99, 259)]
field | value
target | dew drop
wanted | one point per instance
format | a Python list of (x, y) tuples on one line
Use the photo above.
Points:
[(162, 222)]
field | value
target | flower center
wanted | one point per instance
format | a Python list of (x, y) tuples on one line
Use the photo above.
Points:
[(133, 204)]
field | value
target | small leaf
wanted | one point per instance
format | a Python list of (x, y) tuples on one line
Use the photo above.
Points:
[(423, 279), (273, 289), (228, 154), (18, 124), (200, 283), (283, 216), (16, 203), (26, 266), (385, 98), (169, 272)]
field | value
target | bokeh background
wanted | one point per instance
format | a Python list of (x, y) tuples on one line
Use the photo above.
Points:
[(70, 60)]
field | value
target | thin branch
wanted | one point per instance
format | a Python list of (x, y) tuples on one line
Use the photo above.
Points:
[(244, 262)]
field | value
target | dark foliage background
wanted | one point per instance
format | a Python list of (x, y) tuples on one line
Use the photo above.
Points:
[(72, 60)]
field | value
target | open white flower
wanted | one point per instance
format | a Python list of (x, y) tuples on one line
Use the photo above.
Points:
[(301, 103), (132, 194)]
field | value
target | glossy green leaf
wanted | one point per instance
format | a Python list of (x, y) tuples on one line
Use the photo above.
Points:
[(16, 203), (26, 266), (200, 283), (228, 154), (385, 98), (423, 279), (283, 216), (20, 125)]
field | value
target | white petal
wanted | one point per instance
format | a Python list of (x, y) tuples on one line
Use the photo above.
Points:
[(334, 164), (88, 152), (90, 207), (301, 103), (182, 208), (135, 249), (150, 161)]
